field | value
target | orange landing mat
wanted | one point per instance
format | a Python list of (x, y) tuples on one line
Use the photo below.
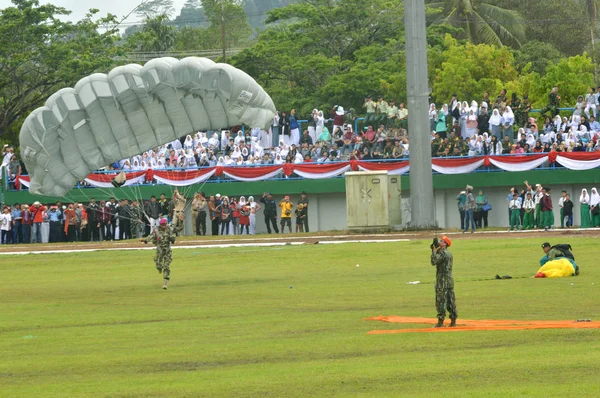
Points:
[(466, 324)]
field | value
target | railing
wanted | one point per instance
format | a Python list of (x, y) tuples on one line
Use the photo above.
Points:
[(224, 179)]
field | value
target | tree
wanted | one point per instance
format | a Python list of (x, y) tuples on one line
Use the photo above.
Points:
[(480, 21), (233, 16), (471, 70), (538, 54), (156, 35), (150, 9), (42, 53), (191, 15), (592, 11)]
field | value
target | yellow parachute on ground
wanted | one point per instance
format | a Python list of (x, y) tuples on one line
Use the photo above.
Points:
[(559, 268), (106, 118)]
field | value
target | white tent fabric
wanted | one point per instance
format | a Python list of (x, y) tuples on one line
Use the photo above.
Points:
[(106, 118)]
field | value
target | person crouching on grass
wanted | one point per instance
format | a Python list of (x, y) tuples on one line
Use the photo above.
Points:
[(163, 237), (442, 259)]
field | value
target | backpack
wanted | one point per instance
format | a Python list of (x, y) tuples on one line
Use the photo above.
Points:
[(565, 249)]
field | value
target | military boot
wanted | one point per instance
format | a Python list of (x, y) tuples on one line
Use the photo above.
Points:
[(452, 322), (166, 282), (439, 324)]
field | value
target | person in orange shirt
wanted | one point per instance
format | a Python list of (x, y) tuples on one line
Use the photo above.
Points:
[(286, 213)]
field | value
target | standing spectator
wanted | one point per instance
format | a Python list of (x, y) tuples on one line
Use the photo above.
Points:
[(17, 220), (469, 208), (590, 103), (595, 207), (201, 205), (547, 211), (254, 207), (508, 120), (515, 211), (337, 112), (104, 221), (382, 107), (92, 210), (37, 212), (481, 219), (214, 209), (286, 213), (70, 223), (235, 216), (26, 224), (561, 208), (124, 214), (584, 209), (111, 205), (371, 108), (295, 128), (440, 125), (553, 103), (136, 220), (153, 211), (403, 116), (568, 211), (495, 123), (312, 126), (432, 117), (244, 217), (270, 212), (5, 226), (304, 202), (225, 216), (461, 199), (54, 218), (284, 126), (529, 210), (299, 218), (79, 221)]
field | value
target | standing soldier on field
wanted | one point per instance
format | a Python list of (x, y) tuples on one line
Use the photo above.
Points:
[(441, 258), (163, 237), (136, 220)]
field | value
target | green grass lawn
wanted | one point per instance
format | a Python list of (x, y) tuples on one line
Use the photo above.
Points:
[(288, 322)]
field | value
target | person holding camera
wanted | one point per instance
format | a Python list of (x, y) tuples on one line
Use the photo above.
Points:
[(442, 259), (270, 212), (286, 213)]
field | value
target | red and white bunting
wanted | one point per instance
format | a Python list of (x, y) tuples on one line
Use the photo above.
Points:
[(104, 180), (249, 174), (393, 168), (456, 166), (518, 163), (579, 162), (183, 178), (322, 170)]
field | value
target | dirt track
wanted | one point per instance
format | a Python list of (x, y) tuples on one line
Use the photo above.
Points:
[(309, 239)]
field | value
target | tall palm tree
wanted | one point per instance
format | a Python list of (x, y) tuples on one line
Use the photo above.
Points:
[(480, 21)]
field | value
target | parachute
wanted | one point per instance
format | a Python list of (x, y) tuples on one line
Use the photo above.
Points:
[(106, 118)]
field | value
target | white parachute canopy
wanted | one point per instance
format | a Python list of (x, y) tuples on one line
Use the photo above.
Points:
[(134, 108)]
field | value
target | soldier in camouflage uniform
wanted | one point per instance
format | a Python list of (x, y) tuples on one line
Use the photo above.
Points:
[(441, 258), (135, 212), (553, 102), (163, 237)]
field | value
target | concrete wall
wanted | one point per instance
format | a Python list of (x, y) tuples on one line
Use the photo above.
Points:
[(327, 212)]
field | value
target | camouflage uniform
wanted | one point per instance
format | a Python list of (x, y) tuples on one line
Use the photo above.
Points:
[(163, 238), (444, 285), (135, 215), (553, 104)]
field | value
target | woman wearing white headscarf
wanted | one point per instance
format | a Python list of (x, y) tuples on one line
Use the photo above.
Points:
[(319, 124), (188, 143), (298, 158), (236, 154), (228, 161), (470, 123), (175, 144), (213, 142), (496, 124), (239, 138), (432, 117), (464, 112), (472, 145), (584, 204), (203, 140), (595, 207), (508, 120), (278, 160)]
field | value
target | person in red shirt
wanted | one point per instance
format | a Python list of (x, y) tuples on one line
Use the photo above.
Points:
[(37, 215), (244, 219), (349, 140)]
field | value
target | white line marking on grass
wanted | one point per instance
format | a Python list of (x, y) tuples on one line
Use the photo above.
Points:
[(220, 246)]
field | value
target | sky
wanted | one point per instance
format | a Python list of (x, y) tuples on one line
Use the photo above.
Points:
[(79, 8)]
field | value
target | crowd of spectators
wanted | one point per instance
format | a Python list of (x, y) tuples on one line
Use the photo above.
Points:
[(503, 127), (131, 219)]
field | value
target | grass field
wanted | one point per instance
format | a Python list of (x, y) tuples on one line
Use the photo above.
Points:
[(288, 322)]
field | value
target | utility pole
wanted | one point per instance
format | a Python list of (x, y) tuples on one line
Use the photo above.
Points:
[(223, 31), (421, 180)]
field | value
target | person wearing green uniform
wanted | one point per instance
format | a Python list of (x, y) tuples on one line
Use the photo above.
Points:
[(584, 202), (595, 207), (445, 299), (515, 212), (371, 107), (529, 209), (553, 103), (547, 209)]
